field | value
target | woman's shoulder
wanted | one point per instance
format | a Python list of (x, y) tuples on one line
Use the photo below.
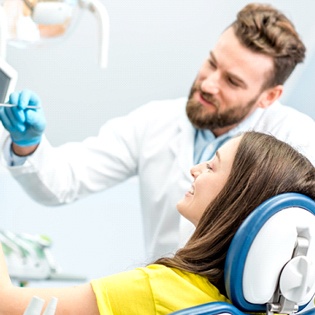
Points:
[(182, 280)]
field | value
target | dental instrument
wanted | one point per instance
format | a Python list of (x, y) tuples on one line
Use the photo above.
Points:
[(36, 304), (51, 307), (13, 105)]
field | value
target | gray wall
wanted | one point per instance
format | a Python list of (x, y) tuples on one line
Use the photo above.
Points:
[(156, 48)]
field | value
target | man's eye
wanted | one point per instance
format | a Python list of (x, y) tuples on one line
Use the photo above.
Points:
[(231, 81)]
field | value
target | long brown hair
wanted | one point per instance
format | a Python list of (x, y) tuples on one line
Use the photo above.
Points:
[(263, 167), (263, 29)]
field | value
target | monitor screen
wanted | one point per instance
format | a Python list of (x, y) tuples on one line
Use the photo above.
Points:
[(8, 78), (4, 85)]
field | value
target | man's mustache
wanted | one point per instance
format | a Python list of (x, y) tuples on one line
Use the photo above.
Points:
[(209, 98)]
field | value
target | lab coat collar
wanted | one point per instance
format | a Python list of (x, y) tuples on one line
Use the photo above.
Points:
[(182, 145)]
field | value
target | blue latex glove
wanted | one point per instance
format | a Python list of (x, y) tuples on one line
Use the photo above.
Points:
[(25, 125)]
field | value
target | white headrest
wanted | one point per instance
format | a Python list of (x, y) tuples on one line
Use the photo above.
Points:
[(272, 249), (261, 258)]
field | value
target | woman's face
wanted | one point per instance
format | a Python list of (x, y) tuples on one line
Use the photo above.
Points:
[(209, 179)]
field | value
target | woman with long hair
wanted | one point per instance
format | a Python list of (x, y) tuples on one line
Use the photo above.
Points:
[(246, 171)]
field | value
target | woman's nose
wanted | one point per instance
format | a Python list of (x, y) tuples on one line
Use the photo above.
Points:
[(195, 171)]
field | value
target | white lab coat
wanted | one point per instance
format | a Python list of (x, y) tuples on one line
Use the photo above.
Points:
[(156, 142)]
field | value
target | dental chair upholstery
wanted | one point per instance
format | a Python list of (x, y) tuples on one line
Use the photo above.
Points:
[(270, 265)]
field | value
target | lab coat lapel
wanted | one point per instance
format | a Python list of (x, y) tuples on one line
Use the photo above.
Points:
[(182, 146)]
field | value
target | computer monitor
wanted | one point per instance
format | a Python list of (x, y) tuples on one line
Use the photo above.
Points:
[(8, 79)]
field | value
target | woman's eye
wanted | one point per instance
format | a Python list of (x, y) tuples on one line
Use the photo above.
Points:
[(212, 64), (209, 167)]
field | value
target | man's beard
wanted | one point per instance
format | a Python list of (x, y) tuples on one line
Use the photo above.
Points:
[(201, 119)]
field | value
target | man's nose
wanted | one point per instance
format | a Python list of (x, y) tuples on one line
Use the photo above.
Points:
[(210, 84)]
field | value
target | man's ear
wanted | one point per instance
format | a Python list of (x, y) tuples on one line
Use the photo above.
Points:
[(270, 95)]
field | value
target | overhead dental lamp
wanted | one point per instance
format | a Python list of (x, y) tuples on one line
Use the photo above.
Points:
[(25, 23)]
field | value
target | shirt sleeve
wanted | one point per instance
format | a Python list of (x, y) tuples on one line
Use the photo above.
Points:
[(9, 156), (154, 289), (124, 293)]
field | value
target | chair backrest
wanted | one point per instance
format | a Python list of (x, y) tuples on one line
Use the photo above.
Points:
[(270, 264)]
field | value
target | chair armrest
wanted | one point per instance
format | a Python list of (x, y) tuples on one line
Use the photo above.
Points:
[(212, 308)]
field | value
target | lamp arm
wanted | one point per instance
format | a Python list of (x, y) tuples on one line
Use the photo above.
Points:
[(29, 4), (3, 33), (96, 7)]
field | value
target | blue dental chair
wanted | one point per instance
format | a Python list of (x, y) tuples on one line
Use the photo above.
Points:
[(270, 265)]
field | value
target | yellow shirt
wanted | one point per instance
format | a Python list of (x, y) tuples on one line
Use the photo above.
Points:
[(154, 289)]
